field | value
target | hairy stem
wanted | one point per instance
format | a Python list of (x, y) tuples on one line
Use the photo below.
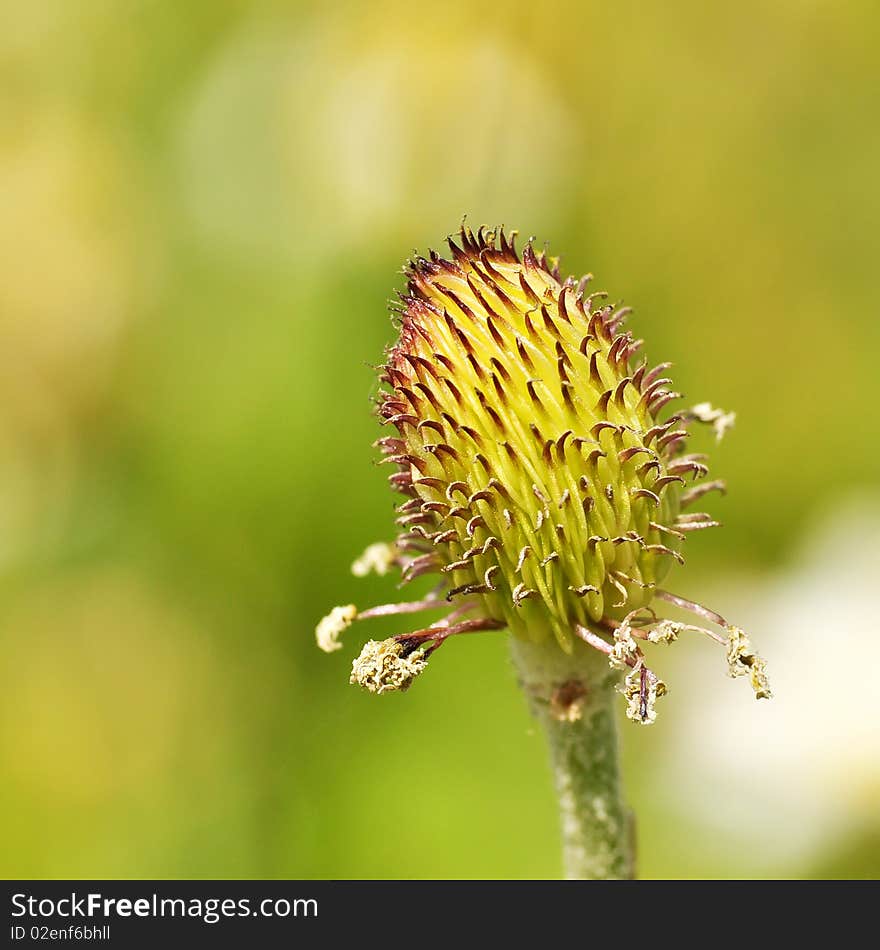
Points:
[(573, 699)]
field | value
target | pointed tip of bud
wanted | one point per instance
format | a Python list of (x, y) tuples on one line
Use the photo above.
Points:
[(385, 666), (332, 626)]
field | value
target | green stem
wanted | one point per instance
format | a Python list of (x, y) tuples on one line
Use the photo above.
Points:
[(573, 698)]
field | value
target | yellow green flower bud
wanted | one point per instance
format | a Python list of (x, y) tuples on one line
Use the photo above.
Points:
[(543, 484), (528, 443)]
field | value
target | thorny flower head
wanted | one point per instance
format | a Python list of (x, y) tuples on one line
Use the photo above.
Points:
[(543, 481)]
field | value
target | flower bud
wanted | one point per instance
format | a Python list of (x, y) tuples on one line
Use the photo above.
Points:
[(538, 476), (542, 484)]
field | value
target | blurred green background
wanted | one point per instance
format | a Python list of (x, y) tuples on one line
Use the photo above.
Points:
[(204, 209)]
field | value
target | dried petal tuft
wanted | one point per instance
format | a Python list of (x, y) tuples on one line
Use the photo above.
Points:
[(385, 666), (642, 690), (377, 558), (667, 631), (743, 661), (332, 626), (720, 420)]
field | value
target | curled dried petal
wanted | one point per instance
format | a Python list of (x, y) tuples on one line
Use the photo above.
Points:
[(387, 665), (642, 689), (378, 558), (332, 626), (743, 661)]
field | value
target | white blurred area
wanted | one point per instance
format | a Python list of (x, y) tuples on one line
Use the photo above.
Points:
[(790, 776)]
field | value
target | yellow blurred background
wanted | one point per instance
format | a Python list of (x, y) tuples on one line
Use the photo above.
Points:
[(204, 209)]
